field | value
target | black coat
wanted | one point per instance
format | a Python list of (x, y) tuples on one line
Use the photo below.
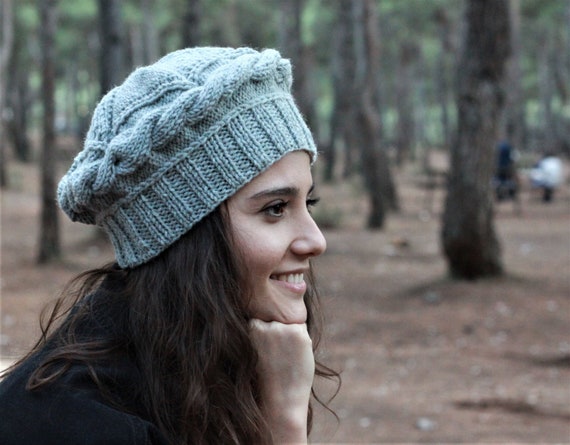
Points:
[(73, 410)]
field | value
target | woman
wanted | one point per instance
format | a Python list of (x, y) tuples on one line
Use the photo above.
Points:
[(203, 331)]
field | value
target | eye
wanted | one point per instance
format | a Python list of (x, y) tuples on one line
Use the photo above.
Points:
[(312, 202), (275, 210)]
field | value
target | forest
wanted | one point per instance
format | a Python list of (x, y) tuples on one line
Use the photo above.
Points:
[(418, 45), (446, 309), (379, 82)]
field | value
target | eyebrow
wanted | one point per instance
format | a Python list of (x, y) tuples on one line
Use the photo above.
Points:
[(279, 191)]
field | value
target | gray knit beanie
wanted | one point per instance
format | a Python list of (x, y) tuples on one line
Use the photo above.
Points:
[(176, 139)]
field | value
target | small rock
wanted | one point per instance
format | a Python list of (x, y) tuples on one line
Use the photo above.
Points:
[(525, 248), (400, 242), (425, 424), (432, 297)]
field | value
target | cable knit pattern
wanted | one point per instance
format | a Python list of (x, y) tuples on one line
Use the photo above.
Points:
[(176, 139)]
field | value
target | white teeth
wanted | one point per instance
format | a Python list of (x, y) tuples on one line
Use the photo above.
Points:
[(295, 278)]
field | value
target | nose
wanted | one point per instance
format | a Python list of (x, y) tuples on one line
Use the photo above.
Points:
[(309, 240)]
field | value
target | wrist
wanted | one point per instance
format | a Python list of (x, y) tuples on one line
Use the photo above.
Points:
[(288, 426)]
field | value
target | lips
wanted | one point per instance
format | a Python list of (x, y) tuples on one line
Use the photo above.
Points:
[(293, 278)]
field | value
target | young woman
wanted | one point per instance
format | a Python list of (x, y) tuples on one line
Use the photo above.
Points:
[(204, 329)]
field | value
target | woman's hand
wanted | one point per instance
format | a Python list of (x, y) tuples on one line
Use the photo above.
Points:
[(286, 370)]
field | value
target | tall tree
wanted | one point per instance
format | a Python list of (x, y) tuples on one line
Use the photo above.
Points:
[(290, 42), (21, 96), (111, 52), (49, 224), (191, 20), (7, 18), (441, 17), (343, 68), (368, 122), (515, 108), (356, 119), (405, 136), (149, 34), (469, 239)]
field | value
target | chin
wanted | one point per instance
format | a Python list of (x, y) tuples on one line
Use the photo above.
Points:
[(292, 316), (288, 316)]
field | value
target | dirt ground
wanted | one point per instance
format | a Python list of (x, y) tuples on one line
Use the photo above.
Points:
[(423, 359)]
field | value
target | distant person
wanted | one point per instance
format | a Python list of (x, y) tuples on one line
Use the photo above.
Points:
[(204, 329), (547, 175), (506, 181)]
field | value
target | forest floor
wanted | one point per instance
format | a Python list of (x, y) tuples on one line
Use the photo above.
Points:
[(424, 359)]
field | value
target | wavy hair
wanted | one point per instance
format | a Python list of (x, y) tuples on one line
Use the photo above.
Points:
[(187, 327)]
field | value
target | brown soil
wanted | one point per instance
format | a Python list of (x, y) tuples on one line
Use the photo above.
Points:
[(424, 359)]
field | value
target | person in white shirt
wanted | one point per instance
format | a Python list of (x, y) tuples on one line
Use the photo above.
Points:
[(547, 174)]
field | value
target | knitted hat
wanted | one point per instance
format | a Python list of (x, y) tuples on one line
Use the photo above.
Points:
[(176, 139)]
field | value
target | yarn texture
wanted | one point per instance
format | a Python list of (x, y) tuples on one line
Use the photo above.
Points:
[(178, 138)]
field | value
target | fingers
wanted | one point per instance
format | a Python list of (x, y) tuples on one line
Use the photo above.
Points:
[(283, 347)]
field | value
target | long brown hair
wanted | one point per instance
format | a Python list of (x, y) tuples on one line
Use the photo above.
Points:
[(187, 331)]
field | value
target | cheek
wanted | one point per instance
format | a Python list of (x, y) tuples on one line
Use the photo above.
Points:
[(261, 253)]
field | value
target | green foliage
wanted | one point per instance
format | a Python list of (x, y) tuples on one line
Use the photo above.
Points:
[(412, 23), (318, 18), (27, 14)]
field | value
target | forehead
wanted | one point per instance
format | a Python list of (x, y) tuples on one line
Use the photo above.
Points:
[(292, 169)]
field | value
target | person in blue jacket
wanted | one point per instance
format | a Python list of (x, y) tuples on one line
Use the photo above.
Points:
[(505, 181), (204, 329)]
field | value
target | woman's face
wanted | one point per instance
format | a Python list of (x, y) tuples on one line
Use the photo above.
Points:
[(277, 236)]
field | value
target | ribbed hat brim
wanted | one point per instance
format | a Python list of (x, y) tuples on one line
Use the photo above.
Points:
[(240, 147)]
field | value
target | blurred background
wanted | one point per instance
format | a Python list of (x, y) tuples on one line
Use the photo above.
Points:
[(444, 132)]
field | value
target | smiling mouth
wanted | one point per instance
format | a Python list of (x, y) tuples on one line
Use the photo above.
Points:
[(294, 278)]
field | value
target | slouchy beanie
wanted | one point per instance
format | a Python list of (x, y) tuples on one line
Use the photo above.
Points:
[(176, 139)]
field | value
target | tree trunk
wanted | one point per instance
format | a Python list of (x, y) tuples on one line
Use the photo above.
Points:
[(561, 62), (469, 240), (20, 103), (111, 58), (191, 33), (5, 55), (150, 51), (292, 47), (515, 124), (404, 103), (442, 83), (368, 122), (49, 224), (343, 72), (546, 92)]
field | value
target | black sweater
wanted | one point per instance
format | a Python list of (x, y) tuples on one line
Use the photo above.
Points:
[(73, 410)]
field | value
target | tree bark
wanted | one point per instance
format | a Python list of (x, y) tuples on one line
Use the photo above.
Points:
[(49, 223), (404, 102), (292, 46), (442, 83), (149, 34), (470, 243), (20, 103), (111, 57), (343, 67), (515, 125), (6, 8), (191, 32), (546, 93), (368, 122)]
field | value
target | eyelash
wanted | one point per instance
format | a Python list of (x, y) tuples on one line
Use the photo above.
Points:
[(312, 202), (276, 210)]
